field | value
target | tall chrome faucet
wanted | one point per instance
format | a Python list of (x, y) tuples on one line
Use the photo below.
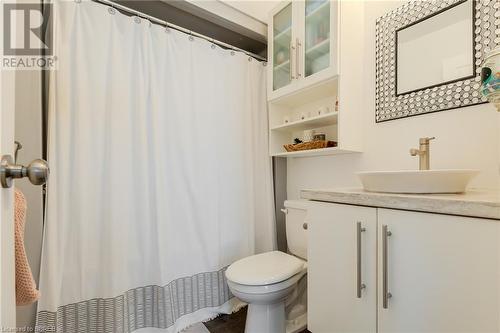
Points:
[(424, 153)]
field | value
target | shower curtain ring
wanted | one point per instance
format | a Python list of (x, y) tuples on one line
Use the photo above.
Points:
[(191, 38), (167, 28), (112, 9), (213, 44)]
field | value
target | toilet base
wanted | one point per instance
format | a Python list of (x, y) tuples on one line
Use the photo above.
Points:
[(266, 318), (297, 325), (270, 305)]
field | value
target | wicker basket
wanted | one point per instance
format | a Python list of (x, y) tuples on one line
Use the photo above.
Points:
[(310, 145)]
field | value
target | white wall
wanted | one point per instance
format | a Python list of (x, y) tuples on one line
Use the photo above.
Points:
[(466, 138)]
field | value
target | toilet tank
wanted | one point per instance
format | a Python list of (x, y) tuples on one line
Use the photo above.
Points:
[(296, 234)]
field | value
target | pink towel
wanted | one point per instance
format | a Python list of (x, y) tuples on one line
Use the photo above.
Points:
[(26, 292)]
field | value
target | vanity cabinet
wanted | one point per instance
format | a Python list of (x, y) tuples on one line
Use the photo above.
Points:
[(302, 45), (435, 273)]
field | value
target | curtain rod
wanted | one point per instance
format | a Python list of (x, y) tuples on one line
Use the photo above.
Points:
[(176, 27)]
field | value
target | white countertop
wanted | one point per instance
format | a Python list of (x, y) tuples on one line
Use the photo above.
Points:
[(474, 203)]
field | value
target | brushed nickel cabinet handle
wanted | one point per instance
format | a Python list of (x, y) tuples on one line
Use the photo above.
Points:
[(359, 283), (385, 267)]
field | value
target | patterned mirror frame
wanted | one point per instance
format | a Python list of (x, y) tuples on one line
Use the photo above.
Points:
[(453, 95)]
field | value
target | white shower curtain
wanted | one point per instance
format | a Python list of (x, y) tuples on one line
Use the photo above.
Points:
[(160, 176)]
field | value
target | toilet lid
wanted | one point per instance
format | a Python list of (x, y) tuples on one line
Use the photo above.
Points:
[(265, 268)]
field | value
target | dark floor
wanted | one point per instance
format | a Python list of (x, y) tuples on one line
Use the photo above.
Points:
[(233, 323)]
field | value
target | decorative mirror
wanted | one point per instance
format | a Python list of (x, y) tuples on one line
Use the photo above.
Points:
[(429, 56)]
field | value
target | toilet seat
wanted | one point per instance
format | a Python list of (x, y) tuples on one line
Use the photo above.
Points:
[(269, 288), (264, 269)]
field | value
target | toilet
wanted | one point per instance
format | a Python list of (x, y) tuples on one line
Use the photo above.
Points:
[(274, 283)]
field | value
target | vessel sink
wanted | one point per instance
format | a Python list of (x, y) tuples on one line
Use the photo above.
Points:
[(417, 182)]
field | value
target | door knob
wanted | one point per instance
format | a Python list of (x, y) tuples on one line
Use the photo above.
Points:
[(37, 171)]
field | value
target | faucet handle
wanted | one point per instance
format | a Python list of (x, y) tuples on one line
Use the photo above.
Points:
[(425, 141)]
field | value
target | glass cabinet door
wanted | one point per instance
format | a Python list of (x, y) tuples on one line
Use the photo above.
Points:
[(282, 39), (317, 36)]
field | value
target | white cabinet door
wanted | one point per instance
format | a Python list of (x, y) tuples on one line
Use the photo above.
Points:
[(302, 44), (442, 272), (317, 40), (333, 303), (281, 47)]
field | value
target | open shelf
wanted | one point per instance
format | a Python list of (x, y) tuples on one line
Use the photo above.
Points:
[(308, 101), (309, 123), (314, 152), (306, 95)]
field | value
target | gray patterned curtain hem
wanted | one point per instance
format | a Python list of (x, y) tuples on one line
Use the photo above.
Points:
[(142, 307)]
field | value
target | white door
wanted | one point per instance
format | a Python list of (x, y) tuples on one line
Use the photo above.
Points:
[(7, 278), (442, 273), (334, 304)]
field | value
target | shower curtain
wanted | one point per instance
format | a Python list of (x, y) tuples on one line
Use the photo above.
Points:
[(160, 176)]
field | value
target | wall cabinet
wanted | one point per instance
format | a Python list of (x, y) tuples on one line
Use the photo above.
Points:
[(303, 44), (315, 74), (436, 273)]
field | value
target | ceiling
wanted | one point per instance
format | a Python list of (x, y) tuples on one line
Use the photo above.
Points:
[(258, 9)]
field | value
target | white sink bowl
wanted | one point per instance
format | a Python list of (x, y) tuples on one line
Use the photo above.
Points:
[(417, 182)]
